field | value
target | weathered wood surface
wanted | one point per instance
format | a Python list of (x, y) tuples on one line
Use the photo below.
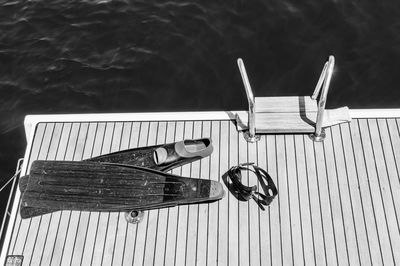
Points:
[(338, 200), (288, 104), (291, 123), (292, 114)]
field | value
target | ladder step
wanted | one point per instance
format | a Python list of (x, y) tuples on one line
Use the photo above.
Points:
[(296, 122), (281, 122), (290, 104)]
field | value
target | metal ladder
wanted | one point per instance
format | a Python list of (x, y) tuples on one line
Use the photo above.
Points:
[(321, 90)]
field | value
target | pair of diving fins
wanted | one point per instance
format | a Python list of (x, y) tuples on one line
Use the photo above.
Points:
[(129, 180)]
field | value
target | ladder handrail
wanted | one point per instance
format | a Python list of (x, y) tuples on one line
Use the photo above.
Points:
[(319, 83), (322, 89), (250, 98)]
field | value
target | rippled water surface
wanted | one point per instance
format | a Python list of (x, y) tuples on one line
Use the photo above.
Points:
[(129, 56)]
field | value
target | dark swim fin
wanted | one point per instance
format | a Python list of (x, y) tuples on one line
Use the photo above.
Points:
[(93, 186), (159, 157)]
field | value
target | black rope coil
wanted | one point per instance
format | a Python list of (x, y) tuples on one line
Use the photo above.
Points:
[(246, 193)]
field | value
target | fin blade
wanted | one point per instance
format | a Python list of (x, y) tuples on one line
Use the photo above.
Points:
[(23, 182), (30, 212)]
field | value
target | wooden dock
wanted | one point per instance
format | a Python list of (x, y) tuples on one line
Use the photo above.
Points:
[(338, 201)]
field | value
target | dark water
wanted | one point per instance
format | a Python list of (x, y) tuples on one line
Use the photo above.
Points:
[(131, 56)]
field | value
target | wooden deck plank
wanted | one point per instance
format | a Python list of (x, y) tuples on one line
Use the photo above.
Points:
[(173, 213), (264, 216), (153, 222), (243, 208), (59, 154), (326, 204), (338, 201), (37, 142), (375, 186), (61, 235), (232, 238), (121, 224), (274, 215), (66, 256), (128, 243), (180, 249), (315, 206), (224, 223), (335, 200), (54, 143), (293, 196), (90, 139), (89, 240), (254, 238), (345, 197), (276, 123), (284, 104), (394, 133), (213, 211), (25, 227), (365, 190), (112, 228), (192, 223), (166, 134), (118, 248), (47, 219), (83, 217), (136, 243), (385, 187), (77, 155), (391, 146), (117, 137), (285, 208), (80, 145), (19, 225), (364, 222), (39, 224), (390, 164), (148, 219), (104, 217), (203, 209), (63, 146), (44, 255), (47, 139), (306, 224)]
